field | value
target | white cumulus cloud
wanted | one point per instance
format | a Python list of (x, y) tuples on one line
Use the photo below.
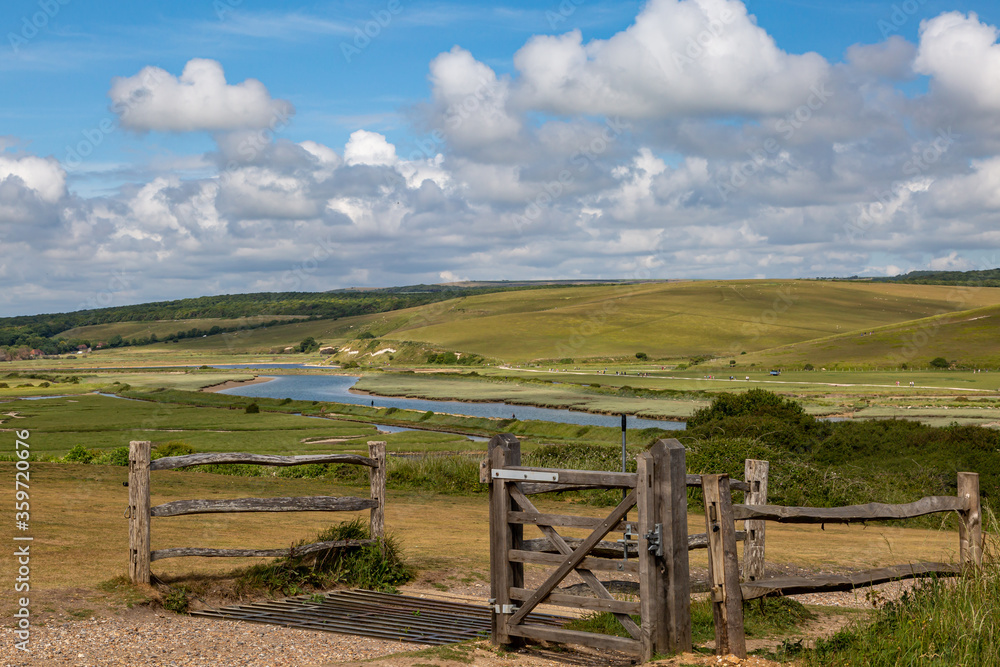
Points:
[(200, 99)]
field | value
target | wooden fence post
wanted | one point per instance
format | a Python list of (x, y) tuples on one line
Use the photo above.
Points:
[(138, 516), (755, 474), (723, 567), (504, 450), (670, 579), (652, 591), (970, 528), (376, 481)]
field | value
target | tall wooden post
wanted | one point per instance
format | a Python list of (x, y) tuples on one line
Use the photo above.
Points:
[(755, 473), (504, 450), (723, 566), (652, 592), (668, 578), (970, 528), (138, 516), (376, 481)]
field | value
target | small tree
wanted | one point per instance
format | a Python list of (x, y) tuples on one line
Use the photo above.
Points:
[(939, 362), (641, 356)]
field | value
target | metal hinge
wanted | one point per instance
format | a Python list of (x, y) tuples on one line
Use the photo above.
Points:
[(654, 540), (505, 608)]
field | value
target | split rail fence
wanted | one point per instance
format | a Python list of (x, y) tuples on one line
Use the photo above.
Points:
[(140, 512), (658, 492)]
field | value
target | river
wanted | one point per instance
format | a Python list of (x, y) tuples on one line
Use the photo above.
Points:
[(336, 388)]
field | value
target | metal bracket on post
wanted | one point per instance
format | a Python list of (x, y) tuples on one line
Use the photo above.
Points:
[(654, 539), (525, 475), (505, 608)]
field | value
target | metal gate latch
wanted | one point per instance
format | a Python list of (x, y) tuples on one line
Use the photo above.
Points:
[(505, 608), (654, 539)]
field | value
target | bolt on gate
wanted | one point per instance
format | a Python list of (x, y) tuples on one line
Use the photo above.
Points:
[(657, 491)]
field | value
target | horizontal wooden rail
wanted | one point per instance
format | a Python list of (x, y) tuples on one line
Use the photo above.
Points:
[(300, 504), (588, 563), (589, 478), (824, 583), (734, 484), (581, 602), (531, 488), (564, 520), (550, 634), (614, 549), (290, 552), (188, 460), (867, 512)]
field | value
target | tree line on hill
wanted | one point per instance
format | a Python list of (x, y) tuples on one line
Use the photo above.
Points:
[(22, 336)]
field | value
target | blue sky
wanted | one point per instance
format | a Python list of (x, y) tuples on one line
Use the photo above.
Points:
[(487, 141)]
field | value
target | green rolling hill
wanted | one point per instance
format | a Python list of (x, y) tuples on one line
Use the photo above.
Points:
[(788, 323)]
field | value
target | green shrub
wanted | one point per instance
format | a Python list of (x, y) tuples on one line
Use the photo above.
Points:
[(939, 362), (253, 409), (171, 448), (177, 600), (80, 454), (369, 567), (115, 457)]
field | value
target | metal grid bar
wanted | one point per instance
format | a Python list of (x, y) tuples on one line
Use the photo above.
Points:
[(372, 614)]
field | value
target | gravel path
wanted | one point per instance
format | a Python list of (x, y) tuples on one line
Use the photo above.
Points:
[(158, 640)]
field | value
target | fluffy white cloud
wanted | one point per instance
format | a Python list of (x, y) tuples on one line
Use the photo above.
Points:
[(679, 57), (370, 148), (200, 99), (44, 176), (962, 56)]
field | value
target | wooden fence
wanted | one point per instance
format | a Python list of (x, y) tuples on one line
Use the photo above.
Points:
[(140, 512), (658, 492), (728, 593)]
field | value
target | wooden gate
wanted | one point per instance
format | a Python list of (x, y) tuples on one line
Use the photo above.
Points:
[(657, 491)]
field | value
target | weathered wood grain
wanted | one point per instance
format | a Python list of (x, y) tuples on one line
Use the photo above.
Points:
[(551, 634), (290, 552), (298, 504), (755, 472), (573, 560), (376, 483), (970, 529), (581, 602), (824, 583), (138, 505), (188, 460), (849, 513), (723, 567)]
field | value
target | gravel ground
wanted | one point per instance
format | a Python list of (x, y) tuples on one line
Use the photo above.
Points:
[(157, 640), (143, 636)]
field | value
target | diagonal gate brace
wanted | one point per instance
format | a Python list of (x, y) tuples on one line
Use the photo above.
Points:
[(575, 558), (595, 585)]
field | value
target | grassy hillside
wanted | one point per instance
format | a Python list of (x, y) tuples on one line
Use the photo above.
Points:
[(970, 337), (789, 322)]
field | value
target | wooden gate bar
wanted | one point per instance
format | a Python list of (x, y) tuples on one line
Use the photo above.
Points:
[(585, 573), (723, 567), (573, 560)]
